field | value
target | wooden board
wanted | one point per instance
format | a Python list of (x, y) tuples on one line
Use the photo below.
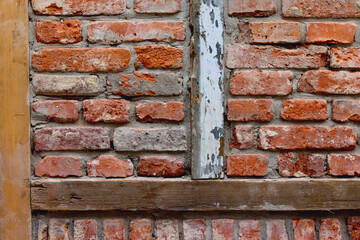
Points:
[(15, 215), (191, 195)]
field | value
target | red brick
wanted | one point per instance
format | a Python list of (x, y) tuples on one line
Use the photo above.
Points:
[(243, 137), (140, 229), (252, 7), (125, 31), (261, 83), (79, 7), (85, 229), (249, 230), (244, 32), (194, 229), (58, 166), (114, 229), (275, 229), (109, 166), (159, 56), (160, 111), (302, 165), (320, 8), (244, 110), (42, 231), (330, 229), (160, 166), (157, 6), (304, 229), (223, 229), (257, 56), (167, 230), (353, 224), (71, 138), (275, 32), (104, 110), (81, 59), (64, 32), (243, 165), (330, 32), (345, 110), (330, 82), (58, 111), (59, 229), (344, 165), (345, 58), (304, 109), (306, 137)]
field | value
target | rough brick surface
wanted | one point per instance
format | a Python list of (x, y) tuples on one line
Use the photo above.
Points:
[(345, 58), (104, 110), (85, 229), (346, 110), (65, 32), (58, 166), (249, 230), (116, 32), (257, 56), (140, 229), (304, 229), (344, 165), (81, 60), (353, 225), (330, 229), (241, 165), (167, 230), (71, 138), (42, 231), (242, 137), (160, 111), (194, 229), (114, 229), (222, 229), (275, 229), (302, 165), (157, 6), (160, 166), (159, 56), (58, 229), (154, 139), (252, 7), (261, 83), (109, 166), (304, 109), (58, 111), (330, 32), (306, 137), (250, 110), (275, 32)]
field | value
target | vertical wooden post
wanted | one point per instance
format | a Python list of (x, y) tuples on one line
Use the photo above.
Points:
[(15, 213), (207, 96)]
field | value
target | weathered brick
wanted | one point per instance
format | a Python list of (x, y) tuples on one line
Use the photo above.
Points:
[(275, 32), (275, 229), (249, 230), (159, 56), (276, 83), (330, 229), (152, 139), (116, 32), (81, 59), (144, 84), (85, 229), (244, 32), (252, 7), (250, 110), (64, 32), (160, 166), (345, 58), (330, 82), (243, 137), (58, 166), (105, 110), (157, 6), (304, 229), (160, 111), (114, 229), (79, 7), (223, 229), (320, 8), (59, 85), (59, 229), (306, 137), (109, 166), (140, 229), (241, 165), (302, 165), (257, 56), (344, 165), (167, 230), (353, 224), (330, 32), (345, 110), (58, 111), (304, 109), (42, 231), (71, 138), (194, 229)]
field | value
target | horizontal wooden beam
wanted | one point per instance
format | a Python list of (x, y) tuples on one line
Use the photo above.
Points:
[(191, 195)]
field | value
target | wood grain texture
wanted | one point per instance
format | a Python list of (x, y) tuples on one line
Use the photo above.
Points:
[(190, 195), (15, 218)]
